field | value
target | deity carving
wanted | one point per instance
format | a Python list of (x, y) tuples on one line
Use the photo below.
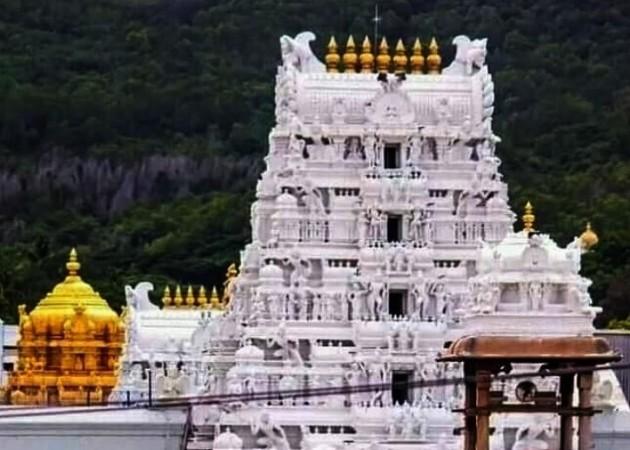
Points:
[(442, 113), (418, 227), (373, 149), (415, 149), (273, 436), (356, 376), (535, 294), (173, 383), (338, 113), (229, 285), (420, 295), (353, 148), (390, 106), (373, 293), (398, 260), (372, 225), (299, 268), (288, 350)]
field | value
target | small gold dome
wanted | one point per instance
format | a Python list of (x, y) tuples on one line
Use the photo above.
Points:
[(71, 341), (50, 315), (588, 238)]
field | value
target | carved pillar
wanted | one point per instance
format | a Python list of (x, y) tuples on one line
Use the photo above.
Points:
[(585, 385)]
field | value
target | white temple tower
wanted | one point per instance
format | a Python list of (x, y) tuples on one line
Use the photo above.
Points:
[(378, 188), (380, 230)]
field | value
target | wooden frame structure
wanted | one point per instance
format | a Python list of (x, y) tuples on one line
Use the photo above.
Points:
[(565, 357)]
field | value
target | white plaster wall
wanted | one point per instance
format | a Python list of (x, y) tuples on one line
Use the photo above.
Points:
[(116, 430)]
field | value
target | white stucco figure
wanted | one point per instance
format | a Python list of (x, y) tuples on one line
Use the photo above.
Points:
[(272, 435), (138, 297), (297, 52), (470, 56)]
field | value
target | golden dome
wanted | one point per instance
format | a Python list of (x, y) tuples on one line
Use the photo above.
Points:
[(50, 315), (588, 238)]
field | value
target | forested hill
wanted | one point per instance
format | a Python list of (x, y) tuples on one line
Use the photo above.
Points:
[(135, 129)]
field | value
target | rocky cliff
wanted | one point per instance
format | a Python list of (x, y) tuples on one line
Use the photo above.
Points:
[(106, 187)]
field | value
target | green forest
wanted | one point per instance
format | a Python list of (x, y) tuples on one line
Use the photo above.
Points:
[(135, 129)]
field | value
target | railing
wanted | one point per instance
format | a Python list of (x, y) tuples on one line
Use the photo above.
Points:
[(466, 232), (317, 230), (314, 231)]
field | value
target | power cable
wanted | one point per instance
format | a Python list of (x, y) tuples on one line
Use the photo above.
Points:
[(239, 399)]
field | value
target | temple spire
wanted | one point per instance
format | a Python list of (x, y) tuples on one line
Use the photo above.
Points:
[(528, 218), (350, 57), (434, 60), (214, 299), (167, 300), (366, 58), (332, 57), (190, 297), (417, 60), (73, 265), (400, 58), (202, 300), (178, 300), (383, 59)]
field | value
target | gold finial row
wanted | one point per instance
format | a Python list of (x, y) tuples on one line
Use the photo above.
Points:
[(413, 64), (528, 218), (189, 300)]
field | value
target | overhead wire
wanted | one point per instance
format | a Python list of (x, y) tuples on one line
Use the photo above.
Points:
[(270, 395)]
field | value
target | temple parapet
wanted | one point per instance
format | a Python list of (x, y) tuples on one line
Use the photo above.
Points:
[(460, 101)]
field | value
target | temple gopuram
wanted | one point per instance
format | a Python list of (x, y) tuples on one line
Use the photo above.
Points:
[(69, 346), (381, 233)]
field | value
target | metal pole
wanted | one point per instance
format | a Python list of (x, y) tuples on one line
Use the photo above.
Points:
[(566, 420), (2, 383), (376, 20), (150, 375)]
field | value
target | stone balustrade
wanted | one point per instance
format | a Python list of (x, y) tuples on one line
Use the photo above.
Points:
[(456, 232)]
